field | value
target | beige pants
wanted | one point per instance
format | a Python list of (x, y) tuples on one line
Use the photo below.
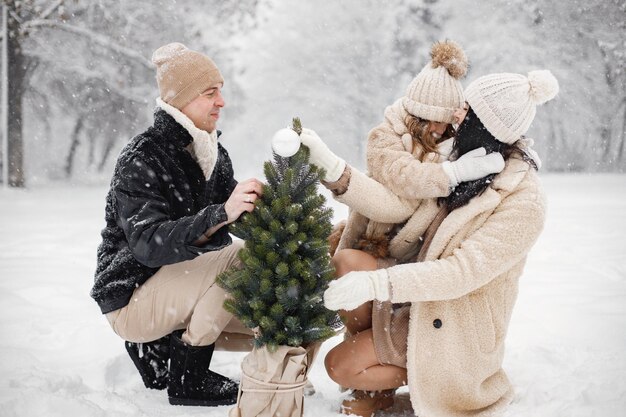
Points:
[(185, 296)]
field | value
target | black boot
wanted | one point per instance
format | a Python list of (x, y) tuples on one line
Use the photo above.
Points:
[(151, 361), (191, 382)]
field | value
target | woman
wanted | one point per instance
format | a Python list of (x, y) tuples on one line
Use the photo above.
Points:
[(463, 282)]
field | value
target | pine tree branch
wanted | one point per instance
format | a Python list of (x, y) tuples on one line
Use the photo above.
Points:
[(297, 125)]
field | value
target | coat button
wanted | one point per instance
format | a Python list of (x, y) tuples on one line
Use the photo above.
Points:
[(437, 323)]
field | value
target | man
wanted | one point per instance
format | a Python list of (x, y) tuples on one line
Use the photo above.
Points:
[(166, 237)]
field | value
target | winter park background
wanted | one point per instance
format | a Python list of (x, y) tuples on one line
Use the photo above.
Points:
[(86, 86)]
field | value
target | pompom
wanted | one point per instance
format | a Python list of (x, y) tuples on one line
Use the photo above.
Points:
[(450, 55), (286, 142), (543, 86), (166, 52)]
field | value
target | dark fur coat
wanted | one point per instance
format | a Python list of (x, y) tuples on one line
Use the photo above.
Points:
[(158, 204)]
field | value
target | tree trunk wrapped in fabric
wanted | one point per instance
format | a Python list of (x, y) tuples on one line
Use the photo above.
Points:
[(273, 381), (279, 291)]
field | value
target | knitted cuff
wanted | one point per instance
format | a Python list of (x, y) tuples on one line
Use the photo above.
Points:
[(380, 284), (335, 169), (340, 186), (449, 170)]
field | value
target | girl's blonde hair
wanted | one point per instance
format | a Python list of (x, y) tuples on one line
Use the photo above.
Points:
[(418, 129)]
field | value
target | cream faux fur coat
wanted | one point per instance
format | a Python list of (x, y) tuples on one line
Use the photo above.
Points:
[(393, 161), (463, 295)]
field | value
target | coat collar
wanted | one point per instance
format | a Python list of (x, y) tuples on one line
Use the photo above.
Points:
[(167, 128), (203, 144), (395, 116), (503, 184), (514, 172)]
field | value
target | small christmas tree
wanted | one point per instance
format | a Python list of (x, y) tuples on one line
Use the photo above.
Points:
[(286, 262)]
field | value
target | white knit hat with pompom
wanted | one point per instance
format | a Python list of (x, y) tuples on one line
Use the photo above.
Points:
[(506, 103), (435, 93)]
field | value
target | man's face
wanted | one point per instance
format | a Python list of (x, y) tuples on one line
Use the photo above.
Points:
[(204, 110)]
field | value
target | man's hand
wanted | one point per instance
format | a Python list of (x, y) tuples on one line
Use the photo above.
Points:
[(356, 288), (322, 156), (242, 198)]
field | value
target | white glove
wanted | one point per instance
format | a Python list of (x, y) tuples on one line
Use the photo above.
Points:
[(356, 288), (444, 149), (472, 166), (322, 156)]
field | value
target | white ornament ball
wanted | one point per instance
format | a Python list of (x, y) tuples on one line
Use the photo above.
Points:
[(286, 142)]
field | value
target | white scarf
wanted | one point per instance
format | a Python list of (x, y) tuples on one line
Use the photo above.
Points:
[(204, 144)]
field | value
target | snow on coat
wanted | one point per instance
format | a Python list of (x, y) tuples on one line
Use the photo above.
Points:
[(159, 203)]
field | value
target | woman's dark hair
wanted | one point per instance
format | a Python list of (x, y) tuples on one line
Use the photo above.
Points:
[(472, 134)]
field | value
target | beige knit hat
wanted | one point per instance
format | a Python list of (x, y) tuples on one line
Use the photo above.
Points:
[(435, 93), (506, 103), (182, 74)]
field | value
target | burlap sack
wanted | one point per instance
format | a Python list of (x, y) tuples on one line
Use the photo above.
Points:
[(272, 383)]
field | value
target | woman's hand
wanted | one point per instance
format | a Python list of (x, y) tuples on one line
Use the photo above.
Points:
[(356, 288), (472, 166), (322, 156)]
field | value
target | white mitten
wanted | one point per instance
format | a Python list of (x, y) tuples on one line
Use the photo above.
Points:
[(444, 149), (473, 165), (356, 288), (322, 156)]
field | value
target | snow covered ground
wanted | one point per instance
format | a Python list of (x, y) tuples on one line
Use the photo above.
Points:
[(566, 350)]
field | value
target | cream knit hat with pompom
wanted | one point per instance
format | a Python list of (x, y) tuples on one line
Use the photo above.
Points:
[(182, 74), (435, 93), (506, 103)]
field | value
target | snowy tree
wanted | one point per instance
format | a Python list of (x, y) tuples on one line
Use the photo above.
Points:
[(90, 84), (19, 14), (418, 23), (96, 68), (330, 61), (584, 44), (580, 42), (86, 84)]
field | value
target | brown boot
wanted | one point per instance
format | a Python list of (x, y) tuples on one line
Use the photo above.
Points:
[(366, 403)]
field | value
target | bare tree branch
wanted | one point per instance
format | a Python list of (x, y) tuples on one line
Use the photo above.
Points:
[(15, 16), (46, 13), (132, 94), (93, 36)]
